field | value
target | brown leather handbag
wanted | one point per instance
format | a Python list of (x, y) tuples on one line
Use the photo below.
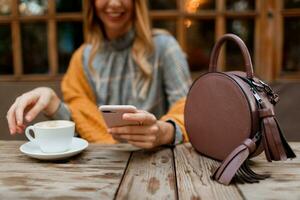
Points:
[(229, 116)]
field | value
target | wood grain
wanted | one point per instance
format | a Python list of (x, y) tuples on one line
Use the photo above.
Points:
[(284, 182), (193, 177), (100, 173), (94, 174), (150, 175)]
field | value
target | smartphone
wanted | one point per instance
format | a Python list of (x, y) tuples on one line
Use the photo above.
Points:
[(112, 115)]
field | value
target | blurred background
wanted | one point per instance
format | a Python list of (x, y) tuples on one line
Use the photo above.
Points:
[(37, 38)]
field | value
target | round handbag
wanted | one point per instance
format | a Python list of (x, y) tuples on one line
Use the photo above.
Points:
[(229, 116)]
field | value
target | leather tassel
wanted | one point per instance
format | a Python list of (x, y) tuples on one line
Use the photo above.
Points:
[(288, 150), (271, 140), (237, 179), (246, 176), (275, 145), (246, 167), (265, 144), (233, 162)]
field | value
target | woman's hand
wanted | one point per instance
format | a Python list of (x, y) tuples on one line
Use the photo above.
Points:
[(150, 132), (29, 105)]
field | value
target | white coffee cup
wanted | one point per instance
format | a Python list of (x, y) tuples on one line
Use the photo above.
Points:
[(52, 136)]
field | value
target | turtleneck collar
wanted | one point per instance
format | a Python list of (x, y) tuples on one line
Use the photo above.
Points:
[(121, 42)]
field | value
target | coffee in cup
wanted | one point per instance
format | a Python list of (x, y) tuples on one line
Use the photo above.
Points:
[(52, 136)]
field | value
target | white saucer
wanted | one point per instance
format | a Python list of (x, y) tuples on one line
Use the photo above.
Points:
[(32, 150)]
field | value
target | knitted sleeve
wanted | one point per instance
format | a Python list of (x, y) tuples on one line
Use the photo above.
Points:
[(81, 101), (176, 114), (177, 81)]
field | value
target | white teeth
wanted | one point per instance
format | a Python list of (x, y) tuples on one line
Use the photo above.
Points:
[(114, 14)]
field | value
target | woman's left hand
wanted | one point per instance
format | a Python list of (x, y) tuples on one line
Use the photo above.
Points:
[(150, 132)]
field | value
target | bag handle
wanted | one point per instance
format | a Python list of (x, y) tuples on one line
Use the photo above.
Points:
[(216, 51)]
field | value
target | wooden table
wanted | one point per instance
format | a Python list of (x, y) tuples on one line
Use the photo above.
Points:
[(112, 172)]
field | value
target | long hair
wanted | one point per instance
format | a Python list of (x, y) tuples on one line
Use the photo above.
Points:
[(143, 44)]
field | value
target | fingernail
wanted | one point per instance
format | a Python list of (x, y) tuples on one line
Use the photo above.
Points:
[(28, 118), (125, 116)]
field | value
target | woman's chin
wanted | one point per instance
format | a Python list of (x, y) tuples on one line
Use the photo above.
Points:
[(116, 30)]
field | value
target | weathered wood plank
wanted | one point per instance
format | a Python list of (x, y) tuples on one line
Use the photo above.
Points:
[(94, 174), (97, 172), (149, 175), (284, 182), (193, 177)]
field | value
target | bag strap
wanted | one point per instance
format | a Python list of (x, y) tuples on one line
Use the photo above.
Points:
[(216, 51)]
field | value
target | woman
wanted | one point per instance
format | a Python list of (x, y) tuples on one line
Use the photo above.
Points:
[(123, 62)]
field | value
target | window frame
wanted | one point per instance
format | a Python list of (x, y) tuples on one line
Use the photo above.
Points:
[(220, 14), (51, 18), (280, 14), (268, 17)]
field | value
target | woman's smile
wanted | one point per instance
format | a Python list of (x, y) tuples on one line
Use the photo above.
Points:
[(116, 16)]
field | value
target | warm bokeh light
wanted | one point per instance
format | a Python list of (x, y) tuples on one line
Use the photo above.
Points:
[(191, 6), (187, 23)]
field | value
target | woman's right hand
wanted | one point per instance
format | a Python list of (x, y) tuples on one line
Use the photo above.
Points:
[(29, 105)]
